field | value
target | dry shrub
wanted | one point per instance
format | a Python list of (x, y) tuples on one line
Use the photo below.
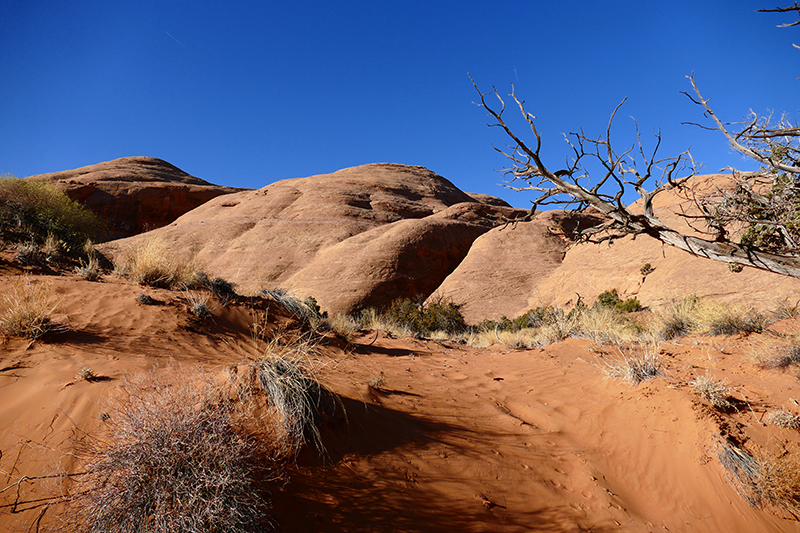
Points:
[(605, 324), (287, 374), (344, 326), (782, 418), (778, 357), (766, 478), (715, 318), (778, 481), (635, 365), (90, 270), (175, 455), (713, 391), (152, 263), (198, 303), (25, 308), (677, 318)]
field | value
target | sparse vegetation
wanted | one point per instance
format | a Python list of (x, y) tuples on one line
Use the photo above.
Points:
[(422, 319), (611, 299), (152, 263), (635, 365), (32, 211), (782, 418), (144, 299), (85, 374), (90, 270), (647, 269), (25, 308), (715, 318), (198, 303), (677, 318), (286, 373), (779, 357), (176, 457), (713, 391)]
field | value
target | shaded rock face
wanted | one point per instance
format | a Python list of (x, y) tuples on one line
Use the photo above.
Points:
[(355, 238), (134, 194)]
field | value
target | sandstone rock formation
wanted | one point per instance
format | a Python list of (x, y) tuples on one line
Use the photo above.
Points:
[(134, 194), (589, 269), (358, 237)]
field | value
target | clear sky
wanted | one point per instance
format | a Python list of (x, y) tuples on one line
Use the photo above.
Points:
[(244, 93)]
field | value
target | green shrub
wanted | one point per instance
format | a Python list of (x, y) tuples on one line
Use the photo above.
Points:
[(423, 319), (32, 210), (610, 298)]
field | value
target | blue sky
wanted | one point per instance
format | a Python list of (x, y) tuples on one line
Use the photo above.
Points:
[(246, 93)]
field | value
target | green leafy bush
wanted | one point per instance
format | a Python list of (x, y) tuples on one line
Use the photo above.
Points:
[(32, 210), (423, 319), (610, 298)]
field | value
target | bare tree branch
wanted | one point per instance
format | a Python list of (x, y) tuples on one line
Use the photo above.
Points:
[(760, 207)]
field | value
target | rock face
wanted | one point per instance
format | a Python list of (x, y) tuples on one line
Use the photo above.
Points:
[(359, 237), (134, 194), (505, 267), (589, 269)]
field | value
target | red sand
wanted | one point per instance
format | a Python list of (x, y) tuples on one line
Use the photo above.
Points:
[(457, 439)]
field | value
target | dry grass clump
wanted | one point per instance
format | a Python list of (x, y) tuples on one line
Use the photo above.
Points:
[(715, 318), (713, 391), (344, 326), (778, 481), (778, 357), (677, 318), (287, 374), (152, 263), (782, 418), (175, 456), (198, 303), (85, 374), (25, 308), (90, 270), (765, 478), (636, 365)]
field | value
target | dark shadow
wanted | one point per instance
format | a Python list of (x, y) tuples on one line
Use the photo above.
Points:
[(64, 335), (348, 493), (391, 352)]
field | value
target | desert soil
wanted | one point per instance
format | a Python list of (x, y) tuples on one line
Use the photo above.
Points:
[(454, 438)]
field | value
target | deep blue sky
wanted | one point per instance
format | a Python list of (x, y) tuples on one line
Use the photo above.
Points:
[(246, 93)]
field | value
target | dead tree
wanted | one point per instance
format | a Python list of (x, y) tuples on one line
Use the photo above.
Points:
[(753, 222)]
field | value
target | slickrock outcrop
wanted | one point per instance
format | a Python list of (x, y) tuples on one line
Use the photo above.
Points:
[(134, 194), (359, 237)]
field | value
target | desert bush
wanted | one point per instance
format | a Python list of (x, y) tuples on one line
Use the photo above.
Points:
[(219, 286), (25, 308), (713, 391), (782, 418), (422, 319), (288, 302), (611, 299), (29, 253), (31, 210), (763, 478), (780, 357), (173, 457), (635, 365), (647, 269), (784, 309), (144, 299), (607, 325), (152, 263), (286, 373), (716, 318), (677, 318), (345, 327), (778, 481), (85, 374), (198, 303), (89, 270)]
